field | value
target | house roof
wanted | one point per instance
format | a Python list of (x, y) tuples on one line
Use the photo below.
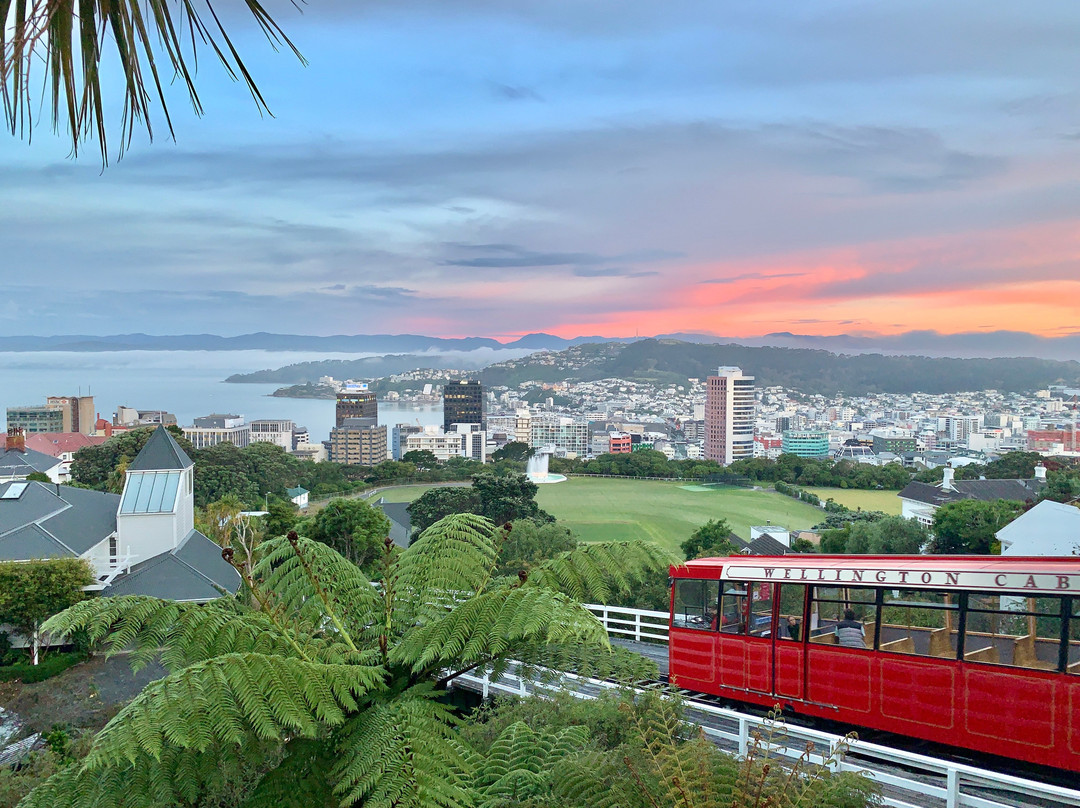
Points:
[(398, 514), (54, 521), (767, 545), (161, 453), (1049, 528), (194, 571), (55, 444), (19, 463), (296, 492), (983, 490)]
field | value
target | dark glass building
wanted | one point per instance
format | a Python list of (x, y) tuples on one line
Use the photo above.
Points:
[(463, 403), (355, 402)]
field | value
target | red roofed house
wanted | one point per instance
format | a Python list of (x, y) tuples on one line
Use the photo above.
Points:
[(63, 446)]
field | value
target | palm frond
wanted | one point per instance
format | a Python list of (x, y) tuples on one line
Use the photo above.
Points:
[(69, 39), (596, 571), (493, 623), (402, 753)]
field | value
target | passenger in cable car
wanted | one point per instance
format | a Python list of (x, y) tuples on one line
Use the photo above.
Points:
[(793, 628), (850, 633)]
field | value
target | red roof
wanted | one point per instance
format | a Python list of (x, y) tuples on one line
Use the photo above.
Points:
[(55, 444)]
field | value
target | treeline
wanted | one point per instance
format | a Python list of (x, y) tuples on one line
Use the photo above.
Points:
[(262, 471), (789, 469)]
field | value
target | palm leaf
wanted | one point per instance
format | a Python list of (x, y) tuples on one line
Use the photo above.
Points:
[(70, 38)]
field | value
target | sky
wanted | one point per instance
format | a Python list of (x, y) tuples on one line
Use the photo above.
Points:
[(580, 167)]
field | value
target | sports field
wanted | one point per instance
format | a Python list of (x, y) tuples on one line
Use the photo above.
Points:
[(666, 513), (886, 501)]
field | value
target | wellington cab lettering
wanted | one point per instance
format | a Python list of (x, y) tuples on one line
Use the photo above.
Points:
[(935, 579)]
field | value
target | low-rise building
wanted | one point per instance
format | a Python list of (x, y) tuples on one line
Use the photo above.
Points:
[(210, 430), (63, 446), (277, 432), (811, 443), (17, 461)]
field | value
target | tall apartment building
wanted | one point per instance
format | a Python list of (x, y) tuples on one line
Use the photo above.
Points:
[(77, 411), (268, 430), (729, 416), (358, 442), (210, 430), (397, 438), (463, 403), (569, 436), (355, 401)]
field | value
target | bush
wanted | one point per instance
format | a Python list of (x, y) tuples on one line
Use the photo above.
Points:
[(49, 666)]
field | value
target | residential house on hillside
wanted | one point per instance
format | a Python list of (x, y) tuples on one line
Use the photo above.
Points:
[(142, 542), (1048, 529), (17, 462), (920, 500), (63, 446)]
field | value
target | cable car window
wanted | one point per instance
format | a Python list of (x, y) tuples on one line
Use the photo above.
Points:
[(733, 608), (792, 598), (695, 604), (916, 621), (761, 608), (1013, 630), (1074, 638), (843, 616)]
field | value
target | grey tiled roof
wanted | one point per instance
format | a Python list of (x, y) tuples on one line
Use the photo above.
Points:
[(15, 463), (161, 453), (983, 490), (75, 518), (400, 521), (194, 571), (767, 545)]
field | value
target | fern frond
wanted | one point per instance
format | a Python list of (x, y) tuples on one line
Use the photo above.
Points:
[(546, 661), (282, 571), (181, 633), (518, 767), (456, 554), (301, 780), (596, 571), (229, 700), (402, 753), (492, 624)]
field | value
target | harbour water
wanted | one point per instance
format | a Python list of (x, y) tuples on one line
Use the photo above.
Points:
[(186, 383)]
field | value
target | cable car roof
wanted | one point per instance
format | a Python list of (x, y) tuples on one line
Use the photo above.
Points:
[(1037, 575)]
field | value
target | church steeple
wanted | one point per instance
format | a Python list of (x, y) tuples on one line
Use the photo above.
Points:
[(157, 508)]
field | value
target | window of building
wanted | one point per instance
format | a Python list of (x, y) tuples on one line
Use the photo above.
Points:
[(915, 621), (695, 604), (1013, 630)]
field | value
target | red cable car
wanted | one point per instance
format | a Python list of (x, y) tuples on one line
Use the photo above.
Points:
[(977, 652)]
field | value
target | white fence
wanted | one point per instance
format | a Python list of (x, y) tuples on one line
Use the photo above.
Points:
[(640, 625)]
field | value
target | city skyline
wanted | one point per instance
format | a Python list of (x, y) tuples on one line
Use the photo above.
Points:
[(606, 168)]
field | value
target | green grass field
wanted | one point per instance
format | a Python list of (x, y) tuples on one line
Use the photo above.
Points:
[(886, 501), (605, 509), (598, 509)]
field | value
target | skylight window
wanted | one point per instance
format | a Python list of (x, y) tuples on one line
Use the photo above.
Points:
[(150, 492), (15, 490)]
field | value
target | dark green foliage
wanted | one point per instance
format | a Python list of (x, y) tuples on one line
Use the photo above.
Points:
[(353, 528), (436, 503), (281, 516), (504, 499), (890, 535), (33, 591), (968, 527), (94, 465), (49, 666), (514, 450), (421, 458), (530, 542), (38, 477), (710, 540)]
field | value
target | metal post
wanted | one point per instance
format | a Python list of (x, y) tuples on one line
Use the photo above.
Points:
[(484, 687), (637, 627), (952, 788), (744, 737)]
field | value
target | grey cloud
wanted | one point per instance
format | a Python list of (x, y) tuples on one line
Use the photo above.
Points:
[(510, 93)]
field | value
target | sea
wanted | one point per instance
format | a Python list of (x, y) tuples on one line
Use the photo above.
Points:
[(186, 383)]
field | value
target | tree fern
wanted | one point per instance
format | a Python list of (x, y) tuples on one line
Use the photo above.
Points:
[(594, 572), (520, 764)]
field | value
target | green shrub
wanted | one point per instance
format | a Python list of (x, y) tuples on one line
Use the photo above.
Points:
[(50, 666)]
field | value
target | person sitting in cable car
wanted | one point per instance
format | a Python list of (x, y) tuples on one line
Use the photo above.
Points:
[(850, 633)]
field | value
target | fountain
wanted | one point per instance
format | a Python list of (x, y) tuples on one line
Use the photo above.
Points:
[(537, 468)]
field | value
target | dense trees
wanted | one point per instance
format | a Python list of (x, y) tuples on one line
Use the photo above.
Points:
[(353, 528), (32, 592), (499, 498), (968, 526), (325, 690), (530, 543), (709, 540), (893, 535)]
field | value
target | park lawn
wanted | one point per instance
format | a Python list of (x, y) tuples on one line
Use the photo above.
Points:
[(886, 501), (402, 493), (601, 509)]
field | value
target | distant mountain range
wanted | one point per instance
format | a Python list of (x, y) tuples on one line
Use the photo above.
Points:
[(920, 343)]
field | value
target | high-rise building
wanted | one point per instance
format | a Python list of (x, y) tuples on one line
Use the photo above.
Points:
[(78, 412), (397, 438), (358, 442), (463, 403), (806, 443), (355, 401), (729, 416), (33, 419)]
